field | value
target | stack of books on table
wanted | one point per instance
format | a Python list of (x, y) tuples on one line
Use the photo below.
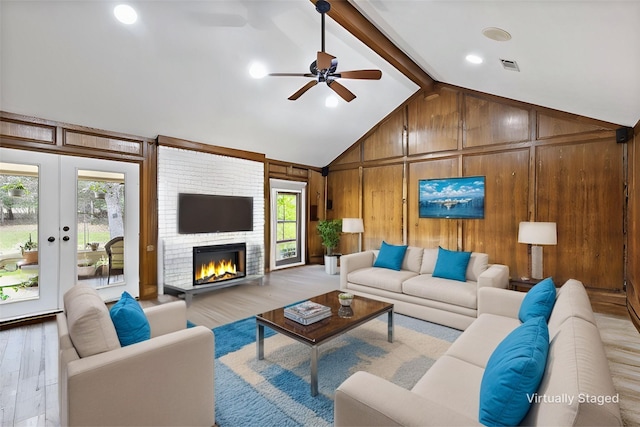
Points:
[(307, 312)]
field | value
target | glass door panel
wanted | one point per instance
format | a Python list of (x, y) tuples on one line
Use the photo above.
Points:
[(28, 233), (287, 228), (102, 217), (100, 227), (18, 232)]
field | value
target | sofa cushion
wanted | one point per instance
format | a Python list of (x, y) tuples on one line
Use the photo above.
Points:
[(481, 338), (513, 374), (425, 286), (390, 256), (453, 384), (412, 259), (572, 301), (429, 258), (130, 321), (478, 263), (381, 278), (538, 301), (452, 265), (90, 326)]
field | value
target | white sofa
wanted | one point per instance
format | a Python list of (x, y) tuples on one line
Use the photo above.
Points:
[(415, 292), (576, 387), (165, 380)]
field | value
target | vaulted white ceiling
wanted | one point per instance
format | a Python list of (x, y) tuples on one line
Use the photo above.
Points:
[(182, 69)]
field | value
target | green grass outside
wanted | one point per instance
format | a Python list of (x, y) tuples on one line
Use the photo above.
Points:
[(14, 236)]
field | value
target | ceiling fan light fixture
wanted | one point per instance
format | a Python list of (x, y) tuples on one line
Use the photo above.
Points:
[(497, 34), (331, 101), (125, 14), (257, 70)]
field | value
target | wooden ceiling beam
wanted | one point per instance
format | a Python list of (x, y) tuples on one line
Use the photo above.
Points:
[(345, 14)]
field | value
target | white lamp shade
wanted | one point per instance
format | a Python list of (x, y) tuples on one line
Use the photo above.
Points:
[(352, 225), (538, 233)]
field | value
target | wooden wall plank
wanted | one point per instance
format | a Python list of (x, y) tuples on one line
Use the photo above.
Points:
[(549, 127), (430, 232), (382, 206), (315, 195), (488, 122), (506, 204), (633, 229), (433, 123), (352, 155), (386, 142), (580, 187), (343, 192)]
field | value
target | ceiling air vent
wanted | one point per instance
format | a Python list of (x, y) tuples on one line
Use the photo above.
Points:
[(510, 65)]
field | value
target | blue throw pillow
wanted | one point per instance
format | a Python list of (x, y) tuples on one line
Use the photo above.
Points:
[(130, 321), (539, 301), (390, 256), (513, 374), (452, 265)]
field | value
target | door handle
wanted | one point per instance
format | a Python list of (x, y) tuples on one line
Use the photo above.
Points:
[(65, 238), (51, 239)]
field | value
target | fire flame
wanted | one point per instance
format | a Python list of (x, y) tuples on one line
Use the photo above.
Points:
[(216, 269)]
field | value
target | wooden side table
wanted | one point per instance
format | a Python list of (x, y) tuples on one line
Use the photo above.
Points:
[(522, 285)]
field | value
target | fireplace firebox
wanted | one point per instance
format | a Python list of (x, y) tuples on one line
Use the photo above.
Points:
[(219, 263)]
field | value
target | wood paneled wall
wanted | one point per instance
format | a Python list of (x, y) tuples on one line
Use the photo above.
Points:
[(539, 164), (633, 227)]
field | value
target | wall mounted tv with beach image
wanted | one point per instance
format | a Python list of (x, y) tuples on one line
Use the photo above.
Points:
[(453, 198)]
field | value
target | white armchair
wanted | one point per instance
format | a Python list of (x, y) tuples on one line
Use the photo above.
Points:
[(166, 380)]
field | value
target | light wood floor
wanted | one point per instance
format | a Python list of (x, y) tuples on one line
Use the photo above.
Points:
[(28, 354)]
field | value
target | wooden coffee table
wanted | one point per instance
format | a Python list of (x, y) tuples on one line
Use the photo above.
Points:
[(342, 320)]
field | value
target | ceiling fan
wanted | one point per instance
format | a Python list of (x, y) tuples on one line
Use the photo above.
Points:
[(324, 68)]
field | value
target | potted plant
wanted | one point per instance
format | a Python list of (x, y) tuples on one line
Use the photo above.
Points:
[(99, 189), (85, 268), (30, 251), (15, 189), (101, 264), (330, 230)]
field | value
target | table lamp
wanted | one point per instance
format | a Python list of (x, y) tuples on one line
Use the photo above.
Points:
[(354, 225), (536, 234)]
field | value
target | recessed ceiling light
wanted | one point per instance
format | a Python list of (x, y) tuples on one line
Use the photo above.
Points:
[(497, 34), (474, 59), (331, 101), (125, 14), (257, 70)]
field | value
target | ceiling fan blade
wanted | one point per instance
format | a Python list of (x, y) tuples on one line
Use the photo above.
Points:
[(344, 93), (360, 74), (324, 60), (291, 75), (303, 89)]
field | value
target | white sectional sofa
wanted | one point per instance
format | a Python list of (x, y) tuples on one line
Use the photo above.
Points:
[(576, 386), (413, 289)]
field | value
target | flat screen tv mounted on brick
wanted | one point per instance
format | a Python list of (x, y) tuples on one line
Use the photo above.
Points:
[(208, 213)]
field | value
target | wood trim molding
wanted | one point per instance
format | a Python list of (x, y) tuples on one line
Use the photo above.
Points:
[(184, 144), (345, 14)]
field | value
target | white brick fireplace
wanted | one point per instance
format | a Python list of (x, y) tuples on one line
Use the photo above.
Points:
[(185, 171)]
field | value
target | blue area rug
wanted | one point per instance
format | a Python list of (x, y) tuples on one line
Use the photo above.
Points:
[(276, 390)]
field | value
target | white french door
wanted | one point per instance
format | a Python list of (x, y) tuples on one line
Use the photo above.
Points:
[(68, 225)]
